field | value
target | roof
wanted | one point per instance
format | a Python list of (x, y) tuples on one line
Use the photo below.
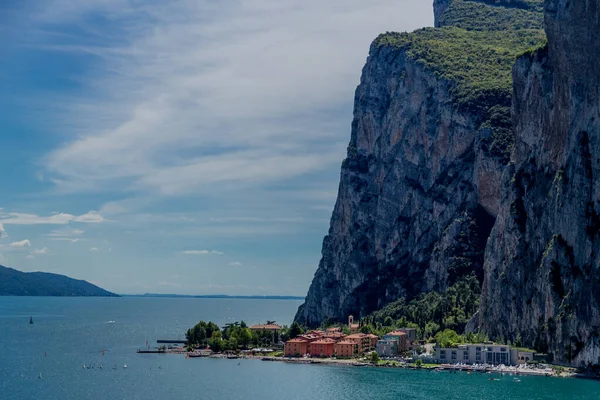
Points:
[(323, 342), (356, 336), (396, 333), (345, 342), (372, 336), (334, 329), (269, 327), (297, 340)]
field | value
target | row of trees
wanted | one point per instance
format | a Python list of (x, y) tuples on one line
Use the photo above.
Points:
[(237, 335)]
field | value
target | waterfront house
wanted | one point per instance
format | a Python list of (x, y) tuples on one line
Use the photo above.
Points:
[(296, 347), (387, 347), (372, 341), (476, 354), (362, 341), (345, 349), (411, 337), (321, 348), (402, 338)]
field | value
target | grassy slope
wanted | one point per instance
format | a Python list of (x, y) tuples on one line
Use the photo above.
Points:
[(476, 50)]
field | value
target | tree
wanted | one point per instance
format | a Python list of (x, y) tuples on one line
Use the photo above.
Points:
[(419, 363), (374, 357), (388, 321), (216, 341), (295, 330)]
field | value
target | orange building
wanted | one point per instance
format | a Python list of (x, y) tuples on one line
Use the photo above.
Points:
[(320, 348), (401, 336), (345, 349), (372, 341), (296, 347), (362, 342)]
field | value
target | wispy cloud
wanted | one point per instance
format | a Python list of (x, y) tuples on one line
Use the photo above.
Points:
[(72, 235), (3, 233), (94, 249), (54, 219), (191, 96), (43, 250), (235, 264), (21, 244), (200, 252)]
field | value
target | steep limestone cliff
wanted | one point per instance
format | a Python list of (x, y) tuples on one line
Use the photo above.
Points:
[(542, 276), (430, 137)]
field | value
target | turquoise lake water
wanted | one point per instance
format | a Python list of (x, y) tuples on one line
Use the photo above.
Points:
[(73, 331)]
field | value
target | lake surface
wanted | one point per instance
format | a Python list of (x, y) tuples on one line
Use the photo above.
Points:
[(73, 331)]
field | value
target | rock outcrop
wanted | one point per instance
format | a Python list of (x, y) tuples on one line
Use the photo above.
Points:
[(542, 264), (419, 188)]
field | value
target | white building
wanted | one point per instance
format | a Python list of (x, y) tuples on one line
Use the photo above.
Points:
[(477, 354)]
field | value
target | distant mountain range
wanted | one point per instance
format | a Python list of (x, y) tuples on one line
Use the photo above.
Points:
[(216, 296), (17, 283)]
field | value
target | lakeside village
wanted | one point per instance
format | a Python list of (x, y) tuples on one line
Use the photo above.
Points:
[(356, 345)]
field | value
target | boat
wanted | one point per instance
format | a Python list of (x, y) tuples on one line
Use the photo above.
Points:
[(30, 320), (124, 366), (84, 367), (40, 375), (516, 379), (115, 367), (233, 357), (101, 367)]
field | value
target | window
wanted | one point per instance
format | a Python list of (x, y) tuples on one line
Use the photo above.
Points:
[(478, 348), (442, 351), (503, 349)]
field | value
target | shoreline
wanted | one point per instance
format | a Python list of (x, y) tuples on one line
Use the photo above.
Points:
[(495, 370)]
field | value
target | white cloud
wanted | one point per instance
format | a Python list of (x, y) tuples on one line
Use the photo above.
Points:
[(21, 244), (3, 233), (173, 74), (201, 252), (43, 250), (62, 233), (94, 249), (30, 256), (54, 219), (235, 264)]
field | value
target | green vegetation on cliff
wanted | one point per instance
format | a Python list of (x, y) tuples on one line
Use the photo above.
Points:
[(487, 16), (433, 312), (477, 62)]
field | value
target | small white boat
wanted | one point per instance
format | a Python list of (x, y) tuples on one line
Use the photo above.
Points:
[(40, 375), (84, 367), (101, 367), (124, 366)]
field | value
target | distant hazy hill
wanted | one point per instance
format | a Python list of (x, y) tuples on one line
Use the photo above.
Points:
[(17, 283)]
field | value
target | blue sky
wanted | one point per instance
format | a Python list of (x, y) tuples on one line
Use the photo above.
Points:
[(179, 146)]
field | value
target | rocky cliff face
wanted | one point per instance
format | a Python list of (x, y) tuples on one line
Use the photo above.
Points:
[(419, 189), (542, 277)]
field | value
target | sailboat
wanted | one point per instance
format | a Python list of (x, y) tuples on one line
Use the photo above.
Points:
[(30, 320), (40, 375), (84, 367)]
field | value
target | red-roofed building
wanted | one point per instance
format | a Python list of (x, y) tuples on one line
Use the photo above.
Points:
[(321, 348), (362, 342), (296, 347), (346, 349)]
